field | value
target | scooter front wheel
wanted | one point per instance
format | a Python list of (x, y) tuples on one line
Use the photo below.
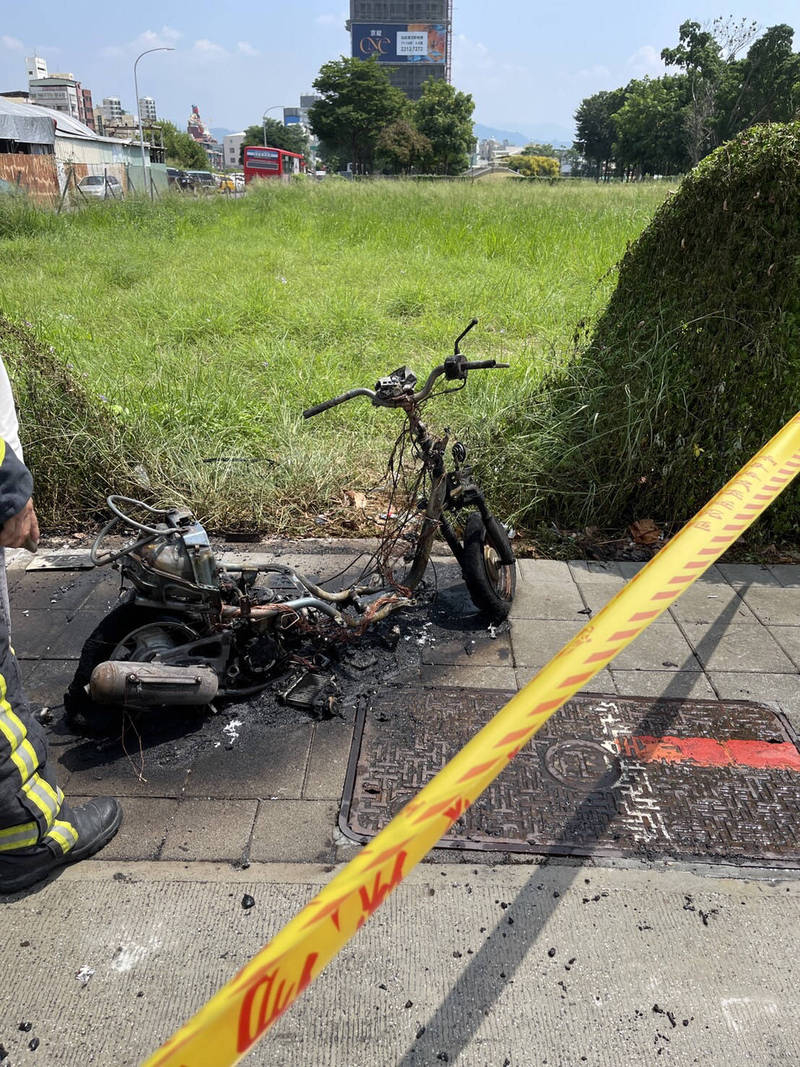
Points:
[(488, 566)]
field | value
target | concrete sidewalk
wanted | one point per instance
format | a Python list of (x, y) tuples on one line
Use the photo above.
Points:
[(456, 965)]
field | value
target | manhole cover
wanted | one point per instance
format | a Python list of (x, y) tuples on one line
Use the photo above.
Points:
[(700, 779)]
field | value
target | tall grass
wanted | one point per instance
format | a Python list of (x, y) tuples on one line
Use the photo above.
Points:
[(204, 327)]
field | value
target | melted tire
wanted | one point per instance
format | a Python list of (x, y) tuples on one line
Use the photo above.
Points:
[(490, 579), (84, 716)]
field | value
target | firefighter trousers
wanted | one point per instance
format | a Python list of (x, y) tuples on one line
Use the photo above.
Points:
[(30, 800)]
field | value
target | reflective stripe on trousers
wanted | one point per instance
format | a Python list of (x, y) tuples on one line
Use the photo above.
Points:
[(38, 801)]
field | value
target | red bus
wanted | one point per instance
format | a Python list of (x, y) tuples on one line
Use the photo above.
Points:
[(269, 162)]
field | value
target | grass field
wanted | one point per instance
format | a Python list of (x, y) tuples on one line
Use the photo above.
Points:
[(206, 326)]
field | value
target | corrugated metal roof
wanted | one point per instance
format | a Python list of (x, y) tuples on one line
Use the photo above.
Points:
[(65, 124), (24, 123)]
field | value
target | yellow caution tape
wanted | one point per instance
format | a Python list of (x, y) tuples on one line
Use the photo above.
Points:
[(243, 1010)]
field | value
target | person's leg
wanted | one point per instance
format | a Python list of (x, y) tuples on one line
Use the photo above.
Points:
[(38, 830)]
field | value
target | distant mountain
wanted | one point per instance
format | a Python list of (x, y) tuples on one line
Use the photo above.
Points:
[(513, 137), (218, 132), (542, 133)]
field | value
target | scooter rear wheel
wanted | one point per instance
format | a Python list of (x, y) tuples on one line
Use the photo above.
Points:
[(128, 632)]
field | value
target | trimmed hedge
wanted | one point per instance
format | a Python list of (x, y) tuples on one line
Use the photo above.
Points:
[(691, 368)]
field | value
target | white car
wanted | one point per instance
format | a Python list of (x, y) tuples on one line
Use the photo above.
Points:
[(105, 187)]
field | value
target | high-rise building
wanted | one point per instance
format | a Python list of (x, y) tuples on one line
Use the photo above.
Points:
[(36, 67), (111, 109), (57, 91), (410, 38), (147, 109), (62, 92)]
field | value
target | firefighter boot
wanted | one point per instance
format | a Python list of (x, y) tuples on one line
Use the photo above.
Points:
[(76, 834)]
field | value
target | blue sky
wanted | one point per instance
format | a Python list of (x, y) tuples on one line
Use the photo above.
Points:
[(527, 63)]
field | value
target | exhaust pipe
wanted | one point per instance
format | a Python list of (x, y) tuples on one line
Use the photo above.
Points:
[(144, 685)]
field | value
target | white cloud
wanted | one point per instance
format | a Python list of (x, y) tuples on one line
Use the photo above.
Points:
[(163, 38), (12, 44), (247, 49), (646, 61), (209, 48), (596, 73)]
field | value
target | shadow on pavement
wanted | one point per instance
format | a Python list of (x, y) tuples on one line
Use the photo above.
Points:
[(460, 1015)]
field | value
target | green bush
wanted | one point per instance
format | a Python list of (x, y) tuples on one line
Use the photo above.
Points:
[(693, 365), (71, 438), (535, 166)]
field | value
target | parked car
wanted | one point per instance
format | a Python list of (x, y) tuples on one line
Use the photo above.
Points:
[(103, 186), (202, 180), (225, 183), (178, 179)]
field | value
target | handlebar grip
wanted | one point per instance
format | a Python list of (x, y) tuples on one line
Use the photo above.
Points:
[(319, 408), (480, 364)]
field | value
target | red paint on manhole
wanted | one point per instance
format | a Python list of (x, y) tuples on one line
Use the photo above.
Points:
[(706, 752)]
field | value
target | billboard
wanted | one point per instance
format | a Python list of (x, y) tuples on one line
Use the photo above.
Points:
[(413, 42)]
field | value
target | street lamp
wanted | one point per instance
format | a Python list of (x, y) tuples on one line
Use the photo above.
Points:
[(275, 107), (139, 109)]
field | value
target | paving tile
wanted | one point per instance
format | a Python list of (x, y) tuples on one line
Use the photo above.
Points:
[(104, 597), (670, 684), (536, 642), (744, 575), (601, 683), (773, 605), (590, 571), (597, 596), (737, 648), (788, 574), (327, 761), (210, 830), (629, 569), (547, 600), (661, 647), (707, 602), (34, 631), (294, 831), (144, 828), (65, 590), (780, 689), (68, 642), (264, 762), (91, 768), (46, 680), (543, 572), (468, 675), (17, 559), (788, 637), (471, 649)]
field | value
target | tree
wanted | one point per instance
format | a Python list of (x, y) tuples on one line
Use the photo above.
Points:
[(596, 129), (714, 96), (534, 166), (181, 149), (401, 147), (535, 149), (444, 116), (290, 138), (764, 86), (651, 126), (357, 103)]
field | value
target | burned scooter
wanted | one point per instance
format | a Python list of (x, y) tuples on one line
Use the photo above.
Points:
[(189, 631)]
